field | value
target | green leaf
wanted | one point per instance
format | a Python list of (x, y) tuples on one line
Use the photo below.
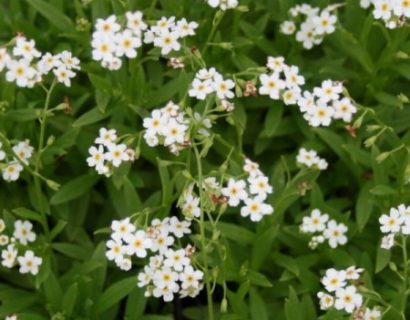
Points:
[(382, 190), (235, 233), (293, 309), (69, 299), (27, 214), (257, 306), (115, 293), (364, 206), (57, 229), (258, 279), (52, 14), (272, 120), (262, 246), (74, 189), (92, 116), (382, 259)]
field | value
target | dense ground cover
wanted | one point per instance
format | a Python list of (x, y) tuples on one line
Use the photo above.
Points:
[(194, 159)]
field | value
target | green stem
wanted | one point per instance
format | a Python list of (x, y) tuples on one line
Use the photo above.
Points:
[(215, 23), (37, 181), (203, 236), (405, 276)]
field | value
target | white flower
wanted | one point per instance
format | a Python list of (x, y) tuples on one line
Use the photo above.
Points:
[(176, 259), (348, 299), (387, 241), (162, 242), (4, 58), (103, 48), (26, 49), (107, 26), (382, 9), (9, 256), (179, 228), (23, 231), (2, 225), (316, 222), (276, 64), (252, 168), (344, 109), (207, 74), (117, 154), (138, 244), (21, 72), (135, 22), (293, 78), (391, 223), (165, 278), (191, 207), (167, 41), (23, 150), (65, 59), (46, 63), (121, 229), (12, 171), (322, 115), (190, 277), (256, 209), (223, 4), (116, 251), (186, 28), (326, 300), (174, 132), (325, 23), (271, 85), (156, 123), (222, 87), (353, 273), (96, 158), (306, 35), (106, 137), (29, 263), (64, 75), (291, 96), (200, 89), (335, 233), (334, 280), (127, 44), (235, 191), (372, 314), (166, 292), (288, 27), (260, 186), (329, 91)]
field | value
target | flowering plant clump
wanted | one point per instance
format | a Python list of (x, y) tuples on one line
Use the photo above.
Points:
[(323, 229), (26, 66), (310, 159), (393, 13), (315, 24), (204, 159), (16, 249)]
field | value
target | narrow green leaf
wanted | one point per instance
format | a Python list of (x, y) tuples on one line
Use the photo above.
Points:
[(52, 14), (74, 189)]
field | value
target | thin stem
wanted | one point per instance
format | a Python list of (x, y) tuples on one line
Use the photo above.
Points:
[(215, 23), (202, 234), (405, 275), (37, 181)]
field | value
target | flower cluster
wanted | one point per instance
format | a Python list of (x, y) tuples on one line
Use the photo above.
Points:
[(391, 12), (167, 126), (11, 255), (106, 154), (396, 222), (326, 103), (12, 167), (251, 193), (167, 32), (26, 66), (315, 25), (282, 82), (209, 81), (323, 229), (310, 159), (169, 270), (223, 4), (341, 293), (112, 41)]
